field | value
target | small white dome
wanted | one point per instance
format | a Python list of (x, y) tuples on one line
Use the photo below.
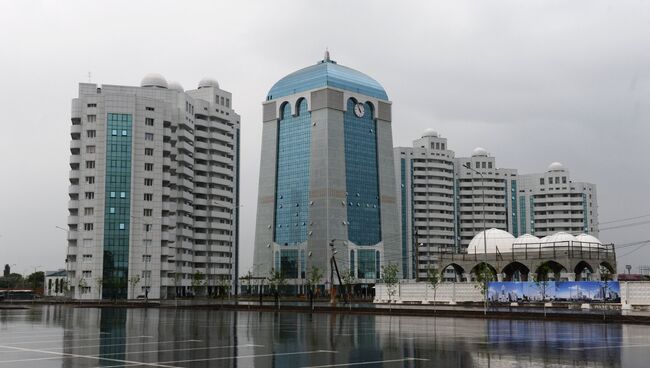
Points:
[(527, 239), (560, 237), (208, 82), (480, 152), (495, 239), (153, 80), (556, 166), (589, 240), (175, 86), (430, 133)]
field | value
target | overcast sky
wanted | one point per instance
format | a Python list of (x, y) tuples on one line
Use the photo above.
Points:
[(531, 81)]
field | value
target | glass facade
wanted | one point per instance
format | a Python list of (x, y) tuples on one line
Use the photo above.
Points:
[(362, 180), (367, 264), (513, 196), (522, 214), (585, 226), (289, 263), (327, 74), (117, 212), (292, 177)]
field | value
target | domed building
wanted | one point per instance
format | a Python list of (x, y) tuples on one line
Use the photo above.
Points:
[(493, 240), (326, 175)]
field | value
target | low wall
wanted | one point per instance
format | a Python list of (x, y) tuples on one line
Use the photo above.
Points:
[(633, 293), (446, 292)]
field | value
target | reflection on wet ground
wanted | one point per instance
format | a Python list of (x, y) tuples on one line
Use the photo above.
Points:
[(64, 336)]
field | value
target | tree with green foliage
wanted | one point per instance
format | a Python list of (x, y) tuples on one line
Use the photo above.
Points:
[(348, 280), (99, 282), (484, 276), (36, 280), (134, 281), (314, 277), (389, 276), (198, 281), (276, 281), (247, 281), (433, 280)]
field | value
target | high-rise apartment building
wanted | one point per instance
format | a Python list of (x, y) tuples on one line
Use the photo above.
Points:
[(445, 201), (550, 202), (327, 185), (153, 190)]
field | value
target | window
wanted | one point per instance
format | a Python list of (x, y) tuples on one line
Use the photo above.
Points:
[(122, 194), (90, 149), (90, 164), (146, 274), (148, 182), (478, 165), (148, 197), (89, 211), (541, 181), (87, 257), (147, 212), (114, 132), (88, 242), (111, 210), (124, 133), (88, 226), (147, 227), (483, 165), (89, 195), (91, 133), (90, 180), (87, 273), (222, 101), (91, 118), (122, 226), (148, 108), (148, 151), (112, 194), (227, 102), (148, 136), (564, 180), (148, 166), (148, 121), (489, 165), (146, 258), (92, 105)]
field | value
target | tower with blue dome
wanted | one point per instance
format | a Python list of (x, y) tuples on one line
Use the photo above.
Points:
[(327, 182)]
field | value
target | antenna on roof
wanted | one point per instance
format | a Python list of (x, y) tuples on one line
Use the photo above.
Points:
[(327, 54), (89, 75)]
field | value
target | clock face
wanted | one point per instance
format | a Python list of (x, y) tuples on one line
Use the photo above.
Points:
[(359, 110)]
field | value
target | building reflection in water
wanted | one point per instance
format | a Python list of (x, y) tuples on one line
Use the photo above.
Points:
[(212, 338)]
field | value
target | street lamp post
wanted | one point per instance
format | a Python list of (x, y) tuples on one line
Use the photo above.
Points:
[(467, 166)]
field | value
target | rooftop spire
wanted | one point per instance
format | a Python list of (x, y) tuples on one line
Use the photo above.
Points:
[(327, 55)]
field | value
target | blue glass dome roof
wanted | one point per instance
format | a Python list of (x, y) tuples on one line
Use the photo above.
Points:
[(327, 73)]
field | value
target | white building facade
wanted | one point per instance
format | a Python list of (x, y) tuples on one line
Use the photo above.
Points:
[(444, 201), (153, 190)]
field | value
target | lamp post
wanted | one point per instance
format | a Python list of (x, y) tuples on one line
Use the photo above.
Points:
[(146, 258), (467, 166)]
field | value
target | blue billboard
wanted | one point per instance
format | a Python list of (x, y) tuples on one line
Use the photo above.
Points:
[(569, 291)]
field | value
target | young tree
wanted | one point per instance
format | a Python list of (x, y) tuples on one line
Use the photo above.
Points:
[(605, 277), (247, 280), (348, 280), (433, 280), (134, 281), (483, 278), (197, 282), (36, 280), (389, 277), (276, 281), (99, 282), (313, 279), (224, 286), (81, 284)]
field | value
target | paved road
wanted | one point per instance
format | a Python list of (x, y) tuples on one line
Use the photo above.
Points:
[(64, 336)]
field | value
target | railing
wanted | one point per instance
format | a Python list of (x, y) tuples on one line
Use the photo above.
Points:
[(571, 249)]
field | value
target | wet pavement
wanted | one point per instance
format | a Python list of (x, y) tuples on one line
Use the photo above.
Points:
[(65, 336)]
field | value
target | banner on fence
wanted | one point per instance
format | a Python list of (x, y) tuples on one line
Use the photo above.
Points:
[(575, 291)]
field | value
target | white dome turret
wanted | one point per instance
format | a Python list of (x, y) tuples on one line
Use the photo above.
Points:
[(526, 239), (587, 240), (430, 133), (480, 152), (556, 166), (495, 240), (153, 80), (559, 239), (175, 86), (208, 82)]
